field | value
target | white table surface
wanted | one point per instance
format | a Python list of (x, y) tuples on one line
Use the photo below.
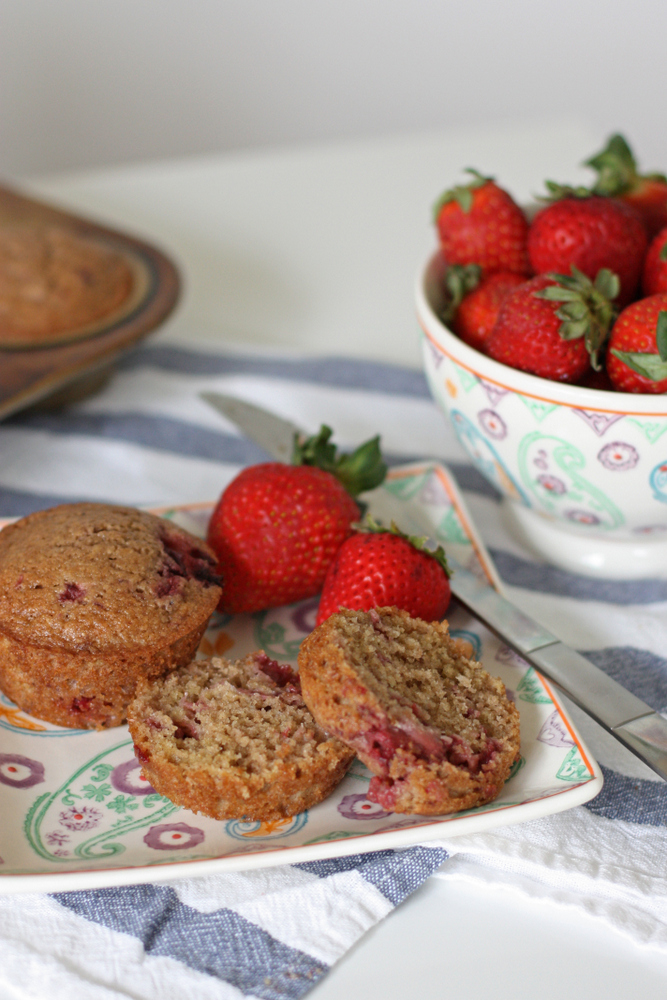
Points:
[(316, 249)]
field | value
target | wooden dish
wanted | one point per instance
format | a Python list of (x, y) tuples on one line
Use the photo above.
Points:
[(78, 363)]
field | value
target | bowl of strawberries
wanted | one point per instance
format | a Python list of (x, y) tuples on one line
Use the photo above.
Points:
[(545, 344)]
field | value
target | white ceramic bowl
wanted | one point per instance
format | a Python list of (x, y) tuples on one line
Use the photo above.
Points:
[(584, 471)]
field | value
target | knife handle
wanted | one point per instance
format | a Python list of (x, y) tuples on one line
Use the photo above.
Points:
[(647, 738), (603, 698)]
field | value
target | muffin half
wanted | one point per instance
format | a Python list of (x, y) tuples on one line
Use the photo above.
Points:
[(234, 739), (437, 731)]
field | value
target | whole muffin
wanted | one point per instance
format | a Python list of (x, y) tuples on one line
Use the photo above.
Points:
[(94, 597), (54, 283), (234, 739), (437, 731)]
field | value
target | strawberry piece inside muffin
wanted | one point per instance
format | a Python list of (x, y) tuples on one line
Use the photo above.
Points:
[(234, 739), (437, 731)]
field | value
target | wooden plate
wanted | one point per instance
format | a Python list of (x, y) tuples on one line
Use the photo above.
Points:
[(69, 369)]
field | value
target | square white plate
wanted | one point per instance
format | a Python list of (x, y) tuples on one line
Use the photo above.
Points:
[(76, 812)]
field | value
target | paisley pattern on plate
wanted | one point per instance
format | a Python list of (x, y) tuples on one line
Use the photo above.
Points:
[(84, 805)]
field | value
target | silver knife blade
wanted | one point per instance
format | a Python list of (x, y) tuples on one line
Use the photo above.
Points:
[(271, 432), (629, 719)]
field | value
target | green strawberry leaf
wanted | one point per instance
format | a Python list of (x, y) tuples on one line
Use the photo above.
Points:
[(661, 334), (617, 168), (362, 470), (663, 253), (650, 366), (587, 309), (316, 450), (420, 542), (575, 310), (607, 283), (460, 279), (558, 293), (572, 329), (557, 191)]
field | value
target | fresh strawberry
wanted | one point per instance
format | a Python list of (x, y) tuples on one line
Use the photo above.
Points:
[(637, 353), (554, 325), (276, 527), (476, 316), (377, 567), (588, 232), (479, 223), (618, 177), (654, 278)]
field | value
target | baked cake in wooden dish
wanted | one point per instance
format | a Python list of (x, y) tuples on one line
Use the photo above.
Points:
[(73, 296)]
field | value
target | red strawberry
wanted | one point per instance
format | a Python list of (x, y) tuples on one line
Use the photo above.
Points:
[(554, 325), (277, 527), (477, 314), (654, 278), (637, 354), (589, 233), (618, 176), (479, 223), (377, 567)]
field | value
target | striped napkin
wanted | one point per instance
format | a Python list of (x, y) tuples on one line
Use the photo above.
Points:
[(147, 439)]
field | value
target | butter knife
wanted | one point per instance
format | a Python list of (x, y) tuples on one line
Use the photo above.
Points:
[(629, 719)]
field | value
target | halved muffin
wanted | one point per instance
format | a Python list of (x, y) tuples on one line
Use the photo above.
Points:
[(437, 731), (234, 739)]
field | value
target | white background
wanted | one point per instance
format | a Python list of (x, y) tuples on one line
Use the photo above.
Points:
[(86, 82)]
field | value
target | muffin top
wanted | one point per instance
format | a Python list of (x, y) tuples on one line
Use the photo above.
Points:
[(95, 577), (54, 282)]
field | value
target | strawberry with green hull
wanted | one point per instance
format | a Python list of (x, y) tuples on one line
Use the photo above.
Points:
[(378, 567), (480, 223), (654, 278), (277, 527), (588, 232), (555, 325), (637, 353), (619, 177)]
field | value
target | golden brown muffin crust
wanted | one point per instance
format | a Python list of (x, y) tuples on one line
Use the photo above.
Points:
[(97, 577), (53, 281), (92, 597)]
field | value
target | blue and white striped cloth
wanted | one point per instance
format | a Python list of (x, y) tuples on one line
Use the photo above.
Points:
[(147, 439)]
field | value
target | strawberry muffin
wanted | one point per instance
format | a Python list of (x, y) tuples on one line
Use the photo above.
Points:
[(438, 733), (94, 597), (234, 740)]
